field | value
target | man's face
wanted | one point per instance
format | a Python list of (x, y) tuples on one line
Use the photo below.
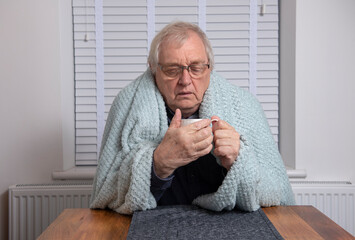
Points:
[(183, 92)]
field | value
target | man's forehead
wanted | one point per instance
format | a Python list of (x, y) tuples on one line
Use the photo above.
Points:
[(178, 63)]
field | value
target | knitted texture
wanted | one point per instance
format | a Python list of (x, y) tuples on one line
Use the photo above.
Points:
[(137, 123)]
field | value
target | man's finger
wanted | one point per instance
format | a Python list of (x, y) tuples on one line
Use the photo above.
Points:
[(217, 123), (176, 121)]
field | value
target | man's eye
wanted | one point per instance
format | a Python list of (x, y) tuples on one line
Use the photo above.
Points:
[(172, 71), (195, 68)]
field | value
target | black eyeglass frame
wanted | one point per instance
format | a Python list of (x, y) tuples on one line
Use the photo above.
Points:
[(182, 67)]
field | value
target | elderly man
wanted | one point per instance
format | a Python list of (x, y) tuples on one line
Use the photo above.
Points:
[(229, 159)]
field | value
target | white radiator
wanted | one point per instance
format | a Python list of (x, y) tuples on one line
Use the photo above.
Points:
[(334, 199), (33, 207)]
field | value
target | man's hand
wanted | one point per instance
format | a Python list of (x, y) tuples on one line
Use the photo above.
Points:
[(182, 145), (226, 142)]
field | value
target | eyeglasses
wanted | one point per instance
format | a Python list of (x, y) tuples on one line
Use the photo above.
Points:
[(195, 70)]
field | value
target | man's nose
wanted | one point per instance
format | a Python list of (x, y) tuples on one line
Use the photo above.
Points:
[(185, 78)]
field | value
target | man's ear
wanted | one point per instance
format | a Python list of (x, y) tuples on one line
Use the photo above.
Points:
[(151, 69)]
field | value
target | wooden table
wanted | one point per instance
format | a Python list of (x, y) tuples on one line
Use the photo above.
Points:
[(292, 222)]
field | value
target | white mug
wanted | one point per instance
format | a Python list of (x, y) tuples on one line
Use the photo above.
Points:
[(185, 122)]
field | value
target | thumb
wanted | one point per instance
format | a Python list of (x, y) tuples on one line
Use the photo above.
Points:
[(215, 120), (176, 121)]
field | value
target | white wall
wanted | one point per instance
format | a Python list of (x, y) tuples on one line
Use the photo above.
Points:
[(31, 63), (325, 89), (30, 97)]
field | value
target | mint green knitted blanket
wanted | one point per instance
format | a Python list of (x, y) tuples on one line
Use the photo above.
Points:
[(136, 124)]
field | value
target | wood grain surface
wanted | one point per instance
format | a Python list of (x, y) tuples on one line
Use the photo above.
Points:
[(292, 222)]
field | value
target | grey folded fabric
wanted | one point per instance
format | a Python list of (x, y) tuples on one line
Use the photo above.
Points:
[(192, 222)]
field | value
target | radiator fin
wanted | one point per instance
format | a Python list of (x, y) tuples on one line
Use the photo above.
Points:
[(34, 207)]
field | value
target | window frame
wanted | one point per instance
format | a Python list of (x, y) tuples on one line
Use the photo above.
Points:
[(67, 83), (287, 97)]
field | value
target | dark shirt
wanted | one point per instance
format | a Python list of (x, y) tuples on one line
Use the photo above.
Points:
[(199, 177)]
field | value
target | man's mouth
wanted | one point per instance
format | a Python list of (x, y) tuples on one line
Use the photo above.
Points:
[(185, 93)]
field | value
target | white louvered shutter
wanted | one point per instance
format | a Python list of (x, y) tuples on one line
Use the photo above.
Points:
[(119, 34)]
